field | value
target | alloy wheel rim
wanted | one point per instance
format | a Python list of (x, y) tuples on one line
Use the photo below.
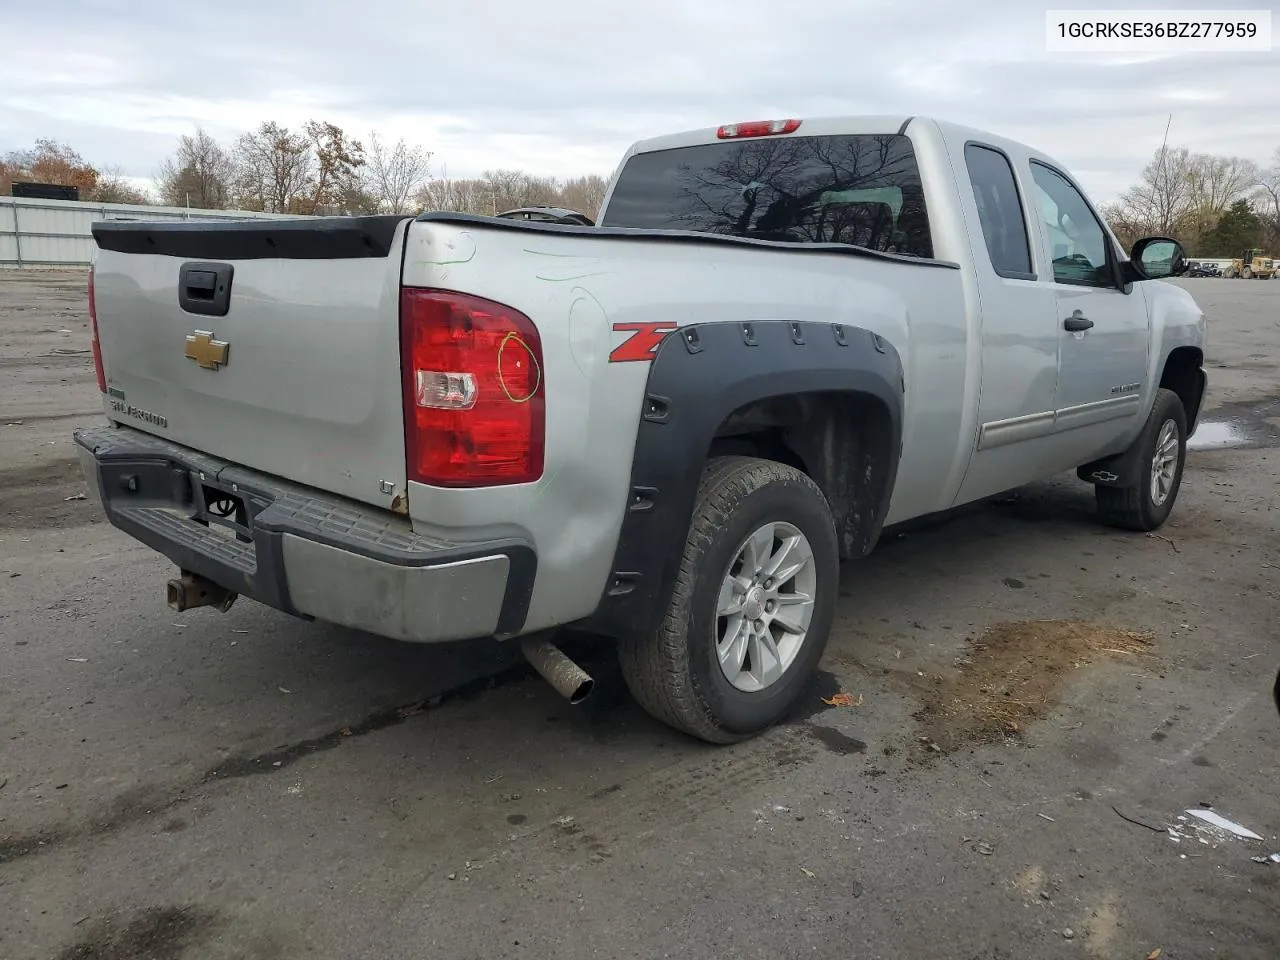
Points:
[(765, 606), (1164, 463)]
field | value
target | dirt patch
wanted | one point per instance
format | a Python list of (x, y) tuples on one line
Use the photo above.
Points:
[(1030, 881), (36, 497), (1009, 677), (69, 357), (146, 802), (276, 760), (158, 933), (1103, 927), (133, 806), (23, 845)]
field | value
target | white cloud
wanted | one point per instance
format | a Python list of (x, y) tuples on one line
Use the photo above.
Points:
[(563, 89)]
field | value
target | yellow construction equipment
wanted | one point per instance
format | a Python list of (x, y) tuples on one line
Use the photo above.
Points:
[(1253, 264)]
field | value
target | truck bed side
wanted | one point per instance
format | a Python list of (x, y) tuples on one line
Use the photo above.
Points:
[(586, 289)]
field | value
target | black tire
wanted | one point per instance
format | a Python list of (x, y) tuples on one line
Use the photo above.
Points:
[(674, 673), (1136, 507)]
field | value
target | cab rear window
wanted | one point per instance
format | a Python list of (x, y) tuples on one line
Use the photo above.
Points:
[(862, 190)]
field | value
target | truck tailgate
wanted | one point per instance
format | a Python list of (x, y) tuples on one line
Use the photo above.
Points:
[(277, 347)]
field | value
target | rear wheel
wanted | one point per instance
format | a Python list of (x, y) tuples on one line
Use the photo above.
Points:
[(1162, 451), (751, 607), (1247, 273)]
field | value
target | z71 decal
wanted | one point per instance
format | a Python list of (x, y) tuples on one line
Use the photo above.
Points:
[(644, 339)]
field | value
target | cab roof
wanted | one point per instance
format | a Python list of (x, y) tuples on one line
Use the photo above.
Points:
[(870, 124)]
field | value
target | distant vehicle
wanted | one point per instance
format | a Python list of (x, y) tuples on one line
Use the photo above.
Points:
[(1251, 265), (666, 430), (1197, 269), (548, 215)]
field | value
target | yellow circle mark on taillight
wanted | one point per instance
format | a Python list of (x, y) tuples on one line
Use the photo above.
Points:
[(537, 370)]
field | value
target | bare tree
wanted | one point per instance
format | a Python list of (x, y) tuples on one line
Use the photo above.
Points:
[(1162, 196), (200, 174), (1181, 194), (337, 163), (1268, 202), (359, 201), (1124, 223), (499, 190), (112, 187), (1215, 184), (584, 194), (396, 174), (276, 171), (454, 195), (508, 189)]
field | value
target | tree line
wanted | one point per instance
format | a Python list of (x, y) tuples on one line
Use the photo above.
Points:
[(52, 162), (315, 169), (1215, 206)]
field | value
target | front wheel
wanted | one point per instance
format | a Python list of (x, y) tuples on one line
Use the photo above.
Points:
[(751, 607), (1162, 451)]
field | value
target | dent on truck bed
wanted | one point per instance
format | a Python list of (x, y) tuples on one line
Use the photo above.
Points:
[(702, 378)]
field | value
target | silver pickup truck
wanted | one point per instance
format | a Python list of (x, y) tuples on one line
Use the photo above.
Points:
[(667, 428)]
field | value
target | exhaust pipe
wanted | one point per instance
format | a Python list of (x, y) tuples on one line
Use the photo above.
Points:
[(192, 590), (569, 680)]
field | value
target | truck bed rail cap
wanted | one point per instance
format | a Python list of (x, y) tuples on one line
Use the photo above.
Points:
[(304, 238), (679, 236)]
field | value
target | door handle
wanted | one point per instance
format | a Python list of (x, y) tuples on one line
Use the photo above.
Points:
[(1077, 323)]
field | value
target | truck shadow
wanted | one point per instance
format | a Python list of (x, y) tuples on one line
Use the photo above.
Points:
[(934, 572), (491, 722)]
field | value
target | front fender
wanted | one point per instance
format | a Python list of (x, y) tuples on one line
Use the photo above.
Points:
[(1176, 321)]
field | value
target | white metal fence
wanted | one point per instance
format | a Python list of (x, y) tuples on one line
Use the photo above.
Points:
[(54, 233)]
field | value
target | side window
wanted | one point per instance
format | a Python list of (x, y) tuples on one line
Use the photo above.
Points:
[(999, 211), (1079, 244)]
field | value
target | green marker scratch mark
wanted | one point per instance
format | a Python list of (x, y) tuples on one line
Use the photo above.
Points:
[(546, 484), (581, 276), (445, 263)]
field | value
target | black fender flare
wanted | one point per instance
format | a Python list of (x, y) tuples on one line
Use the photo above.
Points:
[(700, 375)]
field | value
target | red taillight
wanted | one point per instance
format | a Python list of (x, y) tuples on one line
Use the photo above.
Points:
[(97, 347), (757, 128), (474, 397)]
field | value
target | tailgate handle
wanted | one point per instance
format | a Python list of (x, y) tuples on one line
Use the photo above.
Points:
[(201, 284), (205, 288)]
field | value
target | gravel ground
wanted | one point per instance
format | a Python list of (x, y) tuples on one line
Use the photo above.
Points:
[(1033, 702)]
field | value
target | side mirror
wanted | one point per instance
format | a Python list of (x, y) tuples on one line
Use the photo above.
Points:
[(1158, 257)]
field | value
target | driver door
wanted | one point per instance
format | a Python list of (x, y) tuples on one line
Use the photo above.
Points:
[(1102, 331)]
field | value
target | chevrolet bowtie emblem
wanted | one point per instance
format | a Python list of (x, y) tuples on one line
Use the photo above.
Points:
[(206, 351)]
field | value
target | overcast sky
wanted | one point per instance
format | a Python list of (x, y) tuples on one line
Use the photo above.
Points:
[(561, 88)]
